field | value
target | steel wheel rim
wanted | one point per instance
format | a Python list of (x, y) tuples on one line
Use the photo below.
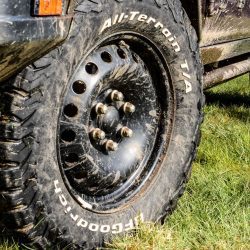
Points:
[(115, 55)]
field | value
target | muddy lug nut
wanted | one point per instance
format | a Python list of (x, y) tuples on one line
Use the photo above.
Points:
[(101, 109), (126, 132), (97, 134), (117, 96), (110, 145), (128, 107)]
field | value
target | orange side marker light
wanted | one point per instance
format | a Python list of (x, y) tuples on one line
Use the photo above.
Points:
[(48, 7)]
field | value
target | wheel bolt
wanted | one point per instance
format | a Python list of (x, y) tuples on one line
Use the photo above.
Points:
[(110, 145), (101, 109), (126, 132), (117, 96), (97, 134), (128, 107)]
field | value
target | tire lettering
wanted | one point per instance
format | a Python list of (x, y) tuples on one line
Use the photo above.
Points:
[(94, 227), (171, 39), (159, 25), (105, 229), (107, 24), (117, 228), (74, 217), (121, 17), (186, 75), (57, 190), (188, 85), (142, 18), (176, 47), (185, 65), (166, 33), (67, 210), (133, 15), (115, 19), (63, 200), (82, 223)]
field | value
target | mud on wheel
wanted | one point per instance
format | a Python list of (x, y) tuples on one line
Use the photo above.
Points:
[(100, 134)]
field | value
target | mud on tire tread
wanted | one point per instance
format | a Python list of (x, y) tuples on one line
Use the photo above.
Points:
[(22, 209)]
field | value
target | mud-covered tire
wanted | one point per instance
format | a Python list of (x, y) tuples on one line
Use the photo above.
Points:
[(35, 201)]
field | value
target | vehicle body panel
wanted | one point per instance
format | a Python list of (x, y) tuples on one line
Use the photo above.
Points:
[(24, 37), (223, 27), (224, 21), (222, 51)]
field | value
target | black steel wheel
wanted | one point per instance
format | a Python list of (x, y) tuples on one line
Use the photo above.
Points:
[(100, 133), (111, 132)]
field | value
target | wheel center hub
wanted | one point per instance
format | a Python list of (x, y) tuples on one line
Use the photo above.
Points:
[(109, 122)]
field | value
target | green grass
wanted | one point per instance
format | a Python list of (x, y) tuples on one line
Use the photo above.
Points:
[(8, 245), (214, 212)]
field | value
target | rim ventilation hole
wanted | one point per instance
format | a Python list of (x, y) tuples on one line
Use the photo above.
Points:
[(91, 68), (68, 135), (79, 87), (72, 158), (122, 54), (106, 57), (70, 110)]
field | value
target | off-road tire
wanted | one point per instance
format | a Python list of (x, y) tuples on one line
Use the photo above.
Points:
[(30, 206)]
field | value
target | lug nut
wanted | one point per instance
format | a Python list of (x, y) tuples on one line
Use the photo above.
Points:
[(101, 109), (126, 132), (128, 107), (97, 134), (110, 145), (117, 96)]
